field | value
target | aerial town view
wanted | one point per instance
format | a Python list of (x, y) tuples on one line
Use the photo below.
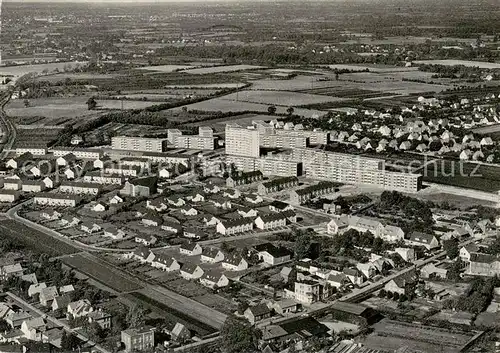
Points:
[(250, 176)]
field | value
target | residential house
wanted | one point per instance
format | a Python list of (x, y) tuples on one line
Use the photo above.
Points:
[(279, 206), (166, 263), (190, 249), (145, 239), (73, 187), (307, 292), (113, 232), (191, 271), (285, 306), (466, 252), (273, 255), (90, 227), (32, 185), (101, 318), (235, 226), (270, 221), (143, 254), (278, 184), (138, 339), (9, 195), (214, 279), (79, 308), (50, 214), (400, 284), (254, 198), (47, 295), (407, 254), (180, 333), (234, 263), (33, 328), (212, 255), (14, 270), (432, 270), (36, 288), (483, 265), (257, 313), (69, 220), (427, 241), (140, 187), (61, 302)]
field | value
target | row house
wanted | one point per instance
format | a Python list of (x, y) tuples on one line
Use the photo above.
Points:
[(71, 187), (104, 179), (483, 265), (243, 178), (270, 221), (9, 195), (127, 171), (66, 160), (302, 195), (235, 226), (276, 185), (32, 186), (140, 162), (52, 199)]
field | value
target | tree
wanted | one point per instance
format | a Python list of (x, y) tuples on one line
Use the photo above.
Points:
[(96, 332), (26, 103), (238, 337), (290, 110), (91, 103), (382, 293), (302, 245), (136, 316), (271, 109), (69, 341), (395, 296), (451, 248)]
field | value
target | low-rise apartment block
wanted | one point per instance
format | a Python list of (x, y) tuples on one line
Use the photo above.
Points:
[(53, 199), (72, 187), (278, 184), (144, 144), (138, 339), (80, 153)]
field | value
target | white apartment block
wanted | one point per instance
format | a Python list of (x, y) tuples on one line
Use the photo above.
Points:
[(203, 141), (70, 187), (145, 144), (52, 199), (9, 195), (267, 165), (242, 141), (33, 150), (279, 138), (80, 153), (343, 160)]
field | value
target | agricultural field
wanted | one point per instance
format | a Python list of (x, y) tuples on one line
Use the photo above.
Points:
[(226, 105), (454, 173), (479, 64), (75, 77), (122, 104), (51, 108), (220, 69), (166, 68), (282, 98), (18, 71), (371, 68), (207, 86), (391, 335)]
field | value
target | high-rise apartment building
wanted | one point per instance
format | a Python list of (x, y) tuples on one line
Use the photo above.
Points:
[(242, 141)]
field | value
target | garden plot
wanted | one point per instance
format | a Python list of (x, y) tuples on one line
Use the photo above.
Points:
[(123, 104)]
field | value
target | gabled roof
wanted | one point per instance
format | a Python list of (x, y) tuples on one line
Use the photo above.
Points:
[(189, 268), (272, 250), (189, 246), (259, 310)]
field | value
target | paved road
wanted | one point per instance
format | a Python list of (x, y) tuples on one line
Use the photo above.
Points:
[(22, 303)]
